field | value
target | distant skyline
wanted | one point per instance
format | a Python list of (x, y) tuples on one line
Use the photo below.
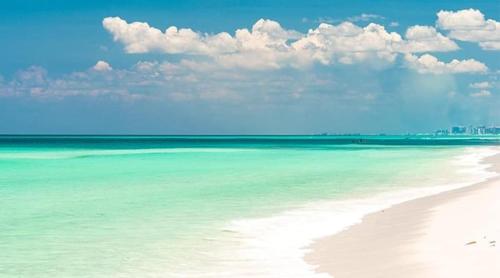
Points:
[(247, 67)]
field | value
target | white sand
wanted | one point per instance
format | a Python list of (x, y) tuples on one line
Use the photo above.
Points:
[(427, 237)]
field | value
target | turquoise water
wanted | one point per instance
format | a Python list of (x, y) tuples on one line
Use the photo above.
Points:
[(160, 206)]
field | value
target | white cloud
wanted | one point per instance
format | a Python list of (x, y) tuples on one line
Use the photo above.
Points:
[(480, 85), (327, 19), (346, 43), (426, 39), (186, 80), (267, 45), (35, 82), (365, 17), (267, 41), (139, 37), (482, 93), (102, 66), (146, 66), (430, 64), (463, 19), (34, 75), (32, 80), (470, 25), (490, 45)]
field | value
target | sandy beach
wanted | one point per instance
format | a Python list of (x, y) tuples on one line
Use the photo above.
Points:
[(452, 234)]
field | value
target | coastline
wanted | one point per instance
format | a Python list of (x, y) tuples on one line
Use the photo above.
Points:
[(450, 234)]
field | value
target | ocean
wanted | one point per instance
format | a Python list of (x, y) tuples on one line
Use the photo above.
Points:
[(207, 206)]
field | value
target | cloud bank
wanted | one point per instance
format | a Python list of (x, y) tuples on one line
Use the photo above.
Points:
[(270, 58), (267, 45)]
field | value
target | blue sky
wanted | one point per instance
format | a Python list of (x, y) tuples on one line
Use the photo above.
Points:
[(307, 67)]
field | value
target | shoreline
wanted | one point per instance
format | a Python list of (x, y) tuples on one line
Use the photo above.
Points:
[(422, 237)]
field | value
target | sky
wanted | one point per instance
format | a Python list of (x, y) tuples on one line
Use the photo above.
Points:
[(247, 67)]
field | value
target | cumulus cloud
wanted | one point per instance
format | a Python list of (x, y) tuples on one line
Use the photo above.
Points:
[(139, 37), (430, 64), (346, 43), (102, 66), (267, 45), (209, 65), (470, 19), (470, 25), (480, 85), (427, 39), (266, 40)]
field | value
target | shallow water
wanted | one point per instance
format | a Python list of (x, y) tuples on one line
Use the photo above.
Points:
[(195, 206)]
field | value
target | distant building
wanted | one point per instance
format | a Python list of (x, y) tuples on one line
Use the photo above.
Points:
[(441, 132), (458, 130), (492, 130), (480, 130), (471, 130)]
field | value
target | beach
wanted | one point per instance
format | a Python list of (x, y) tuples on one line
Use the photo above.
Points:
[(179, 206), (451, 234)]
